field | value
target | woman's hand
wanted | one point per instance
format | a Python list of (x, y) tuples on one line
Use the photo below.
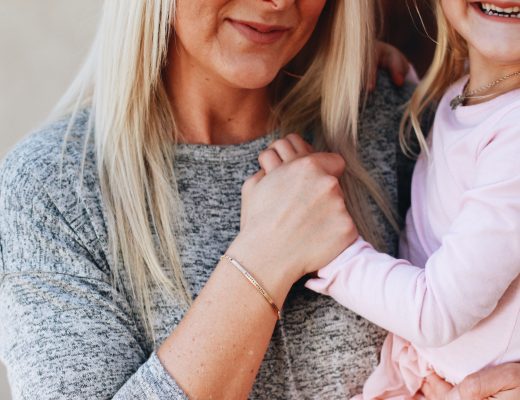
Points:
[(391, 59), (293, 214), (435, 388), (284, 150), (501, 383)]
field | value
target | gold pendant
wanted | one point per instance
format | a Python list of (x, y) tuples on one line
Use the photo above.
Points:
[(457, 101)]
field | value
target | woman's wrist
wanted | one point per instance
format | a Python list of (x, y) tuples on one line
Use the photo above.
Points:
[(267, 269)]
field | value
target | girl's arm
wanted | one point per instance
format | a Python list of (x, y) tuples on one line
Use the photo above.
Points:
[(463, 280)]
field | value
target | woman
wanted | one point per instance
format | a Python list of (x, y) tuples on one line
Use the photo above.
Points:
[(111, 283)]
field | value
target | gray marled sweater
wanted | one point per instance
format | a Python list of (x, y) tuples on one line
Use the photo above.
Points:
[(65, 333)]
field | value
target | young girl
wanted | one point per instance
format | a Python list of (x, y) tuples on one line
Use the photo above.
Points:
[(453, 302)]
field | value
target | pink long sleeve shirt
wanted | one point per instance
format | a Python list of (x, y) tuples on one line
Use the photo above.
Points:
[(455, 295)]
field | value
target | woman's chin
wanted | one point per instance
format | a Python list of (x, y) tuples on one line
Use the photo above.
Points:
[(251, 78)]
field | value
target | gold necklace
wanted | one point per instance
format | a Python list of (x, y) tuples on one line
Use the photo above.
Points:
[(465, 95)]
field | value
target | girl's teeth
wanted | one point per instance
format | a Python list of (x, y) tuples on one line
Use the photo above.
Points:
[(491, 9)]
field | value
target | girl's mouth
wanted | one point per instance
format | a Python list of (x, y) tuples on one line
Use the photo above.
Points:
[(495, 11)]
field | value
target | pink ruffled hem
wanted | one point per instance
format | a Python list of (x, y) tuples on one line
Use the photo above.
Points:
[(399, 375)]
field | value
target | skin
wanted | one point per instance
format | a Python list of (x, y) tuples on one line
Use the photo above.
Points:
[(493, 53), (489, 60), (501, 382), (217, 80), (493, 43), (218, 85)]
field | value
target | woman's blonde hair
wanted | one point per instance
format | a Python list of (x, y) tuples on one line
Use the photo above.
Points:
[(135, 131), (449, 65)]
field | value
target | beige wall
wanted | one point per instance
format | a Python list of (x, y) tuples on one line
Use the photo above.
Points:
[(42, 43)]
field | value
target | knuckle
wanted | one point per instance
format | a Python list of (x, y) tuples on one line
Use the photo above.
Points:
[(470, 388), (280, 143), (277, 142), (330, 184), (341, 161), (307, 164), (262, 154), (265, 155)]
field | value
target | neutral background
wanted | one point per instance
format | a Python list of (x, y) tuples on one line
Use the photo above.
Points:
[(42, 45)]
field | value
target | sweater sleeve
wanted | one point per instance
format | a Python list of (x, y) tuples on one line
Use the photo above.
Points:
[(65, 332), (462, 282)]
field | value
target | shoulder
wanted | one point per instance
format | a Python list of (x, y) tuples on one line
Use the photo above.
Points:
[(379, 121), (384, 107), (49, 196), (43, 155)]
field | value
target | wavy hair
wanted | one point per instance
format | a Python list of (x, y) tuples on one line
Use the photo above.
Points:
[(448, 65), (135, 131)]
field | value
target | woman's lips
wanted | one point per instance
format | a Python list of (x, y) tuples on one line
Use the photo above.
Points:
[(259, 33)]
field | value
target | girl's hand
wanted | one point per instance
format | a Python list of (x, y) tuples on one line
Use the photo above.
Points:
[(501, 383), (391, 59)]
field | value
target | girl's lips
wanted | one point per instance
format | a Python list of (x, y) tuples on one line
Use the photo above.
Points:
[(499, 3), (259, 33)]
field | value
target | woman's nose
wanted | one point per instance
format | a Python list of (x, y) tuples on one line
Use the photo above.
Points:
[(280, 4)]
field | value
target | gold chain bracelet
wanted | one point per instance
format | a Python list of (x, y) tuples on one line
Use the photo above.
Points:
[(254, 282)]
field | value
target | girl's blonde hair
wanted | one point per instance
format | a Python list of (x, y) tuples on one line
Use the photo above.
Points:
[(449, 65), (135, 131)]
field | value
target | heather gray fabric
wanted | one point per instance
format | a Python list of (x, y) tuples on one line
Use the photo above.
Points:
[(65, 333)]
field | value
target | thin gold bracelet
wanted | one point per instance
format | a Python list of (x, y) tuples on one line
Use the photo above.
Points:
[(254, 282)]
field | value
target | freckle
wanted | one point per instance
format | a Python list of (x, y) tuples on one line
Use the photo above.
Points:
[(252, 371), (229, 119)]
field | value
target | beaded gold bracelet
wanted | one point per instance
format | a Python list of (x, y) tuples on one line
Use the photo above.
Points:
[(254, 282)]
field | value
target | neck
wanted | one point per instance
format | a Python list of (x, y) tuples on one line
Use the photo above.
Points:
[(484, 71), (209, 110)]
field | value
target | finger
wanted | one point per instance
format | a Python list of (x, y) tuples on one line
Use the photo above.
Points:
[(435, 387), (285, 150), (398, 65), (391, 59), (300, 145), (269, 160), (507, 395), (487, 383), (331, 163)]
